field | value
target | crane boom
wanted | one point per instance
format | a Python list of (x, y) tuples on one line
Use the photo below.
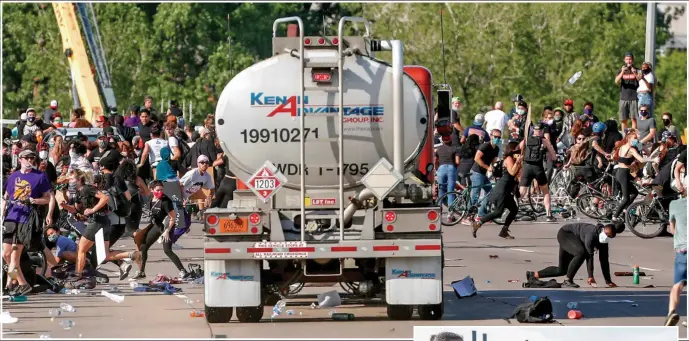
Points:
[(78, 59)]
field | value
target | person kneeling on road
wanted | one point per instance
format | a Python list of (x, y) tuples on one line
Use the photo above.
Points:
[(578, 243), (66, 249)]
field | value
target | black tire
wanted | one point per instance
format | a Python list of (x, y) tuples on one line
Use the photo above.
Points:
[(458, 211), (400, 312), (249, 314), (535, 202), (432, 312), (632, 220), (583, 205), (218, 314)]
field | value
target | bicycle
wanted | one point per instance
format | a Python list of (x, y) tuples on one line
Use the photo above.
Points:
[(460, 209), (649, 211)]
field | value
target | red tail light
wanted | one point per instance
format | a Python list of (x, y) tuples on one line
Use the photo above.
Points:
[(211, 230), (336, 41), (390, 216), (212, 220), (432, 215), (254, 218), (432, 227), (254, 230), (390, 228), (307, 41), (321, 41)]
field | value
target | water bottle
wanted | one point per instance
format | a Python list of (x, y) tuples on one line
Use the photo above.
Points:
[(17, 298), (635, 274), (66, 307), (572, 305), (575, 77), (67, 324), (342, 317), (54, 312)]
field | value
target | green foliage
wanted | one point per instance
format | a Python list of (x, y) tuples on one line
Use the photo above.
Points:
[(182, 50), (671, 94)]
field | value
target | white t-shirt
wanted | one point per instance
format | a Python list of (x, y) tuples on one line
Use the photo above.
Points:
[(496, 119), (642, 85), (193, 181), (154, 147), (172, 142)]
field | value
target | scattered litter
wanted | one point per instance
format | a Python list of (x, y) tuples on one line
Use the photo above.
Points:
[(68, 308), (342, 317), (17, 298), (684, 323), (487, 282), (66, 291), (164, 287), (650, 286), (329, 299), (513, 281), (277, 308), (628, 274), (464, 287), (189, 302), (574, 314), (493, 256), (527, 261), (196, 313), (313, 305), (571, 305), (67, 324), (54, 313), (113, 297), (330, 313), (290, 312), (300, 313), (635, 305), (7, 318), (44, 337), (647, 277), (133, 285)]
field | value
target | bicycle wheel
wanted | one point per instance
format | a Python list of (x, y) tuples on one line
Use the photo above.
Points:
[(594, 206), (451, 215), (536, 201), (560, 180), (643, 220)]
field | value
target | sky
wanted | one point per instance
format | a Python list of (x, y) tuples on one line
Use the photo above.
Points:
[(556, 333)]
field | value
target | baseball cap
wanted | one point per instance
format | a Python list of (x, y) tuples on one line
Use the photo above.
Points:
[(53, 103), (478, 119), (202, 158), (27, 152), (456, 99), (568, 102), (30, 110)]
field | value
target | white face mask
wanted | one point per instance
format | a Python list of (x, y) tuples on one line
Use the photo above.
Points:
[(549, 122), (603, 238), (43, 154)]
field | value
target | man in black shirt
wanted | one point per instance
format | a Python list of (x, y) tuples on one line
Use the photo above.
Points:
[(535, 148), (628, 82), (96, 154), (146, 125), (485, 156)]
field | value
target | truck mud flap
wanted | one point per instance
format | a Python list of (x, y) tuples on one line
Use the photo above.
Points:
[(413, 281), (232, 283)]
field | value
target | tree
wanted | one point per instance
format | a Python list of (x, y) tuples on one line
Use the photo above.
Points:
[(671, 90)]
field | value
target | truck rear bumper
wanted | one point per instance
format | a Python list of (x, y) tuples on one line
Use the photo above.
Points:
[(301, 250)]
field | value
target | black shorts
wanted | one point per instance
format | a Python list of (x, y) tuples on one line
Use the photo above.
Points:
[(531, 172), (94, 225), (9, 232)]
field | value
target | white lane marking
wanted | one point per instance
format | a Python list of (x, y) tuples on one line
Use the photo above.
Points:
[(522, 250), (648, 269)]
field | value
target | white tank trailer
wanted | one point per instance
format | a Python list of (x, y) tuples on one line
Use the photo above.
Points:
[(360, 213)]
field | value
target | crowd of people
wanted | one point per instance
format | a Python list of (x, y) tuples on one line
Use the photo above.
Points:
[(142, 168), (638, 154)]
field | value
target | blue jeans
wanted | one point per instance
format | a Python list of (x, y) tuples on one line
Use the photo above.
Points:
[(646, 99), (447, 178), (680, 267), (479, 181)]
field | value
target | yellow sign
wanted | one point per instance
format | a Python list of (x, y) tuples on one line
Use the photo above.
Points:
[(307, 201)]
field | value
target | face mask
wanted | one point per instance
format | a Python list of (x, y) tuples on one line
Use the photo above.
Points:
[(102, 144), (603, 238), (588, 112), (666, 122), (30, 120), (25, 165), (52, 238), (51, 144), (43, 154), (549, 122), (495, 140), (521, 111), (58, 124), (635, 143), (646, 71), (643, 113), (558, 118), (158, 195)]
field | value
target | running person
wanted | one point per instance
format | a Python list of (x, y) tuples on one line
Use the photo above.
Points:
[(578, 243), (625, 154), (535, 148), (503, 193)]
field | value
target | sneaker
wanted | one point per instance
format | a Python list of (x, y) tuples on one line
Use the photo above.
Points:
[(22, 290), (139, 275), (474, 228), (530, 276), (124, 270), (550, 219), (569, 284), (672, 319)]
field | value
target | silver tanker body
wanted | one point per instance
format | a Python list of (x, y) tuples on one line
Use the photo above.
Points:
[(260, 112)]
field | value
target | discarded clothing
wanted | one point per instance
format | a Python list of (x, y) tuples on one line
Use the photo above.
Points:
[(537, 283)]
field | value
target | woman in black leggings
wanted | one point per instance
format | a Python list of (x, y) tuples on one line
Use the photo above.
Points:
[(162, 209), (625, 154), (578, 243), (502, 196)]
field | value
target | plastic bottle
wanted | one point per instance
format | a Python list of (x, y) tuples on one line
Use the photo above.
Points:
[(17, 298), (342, 317), (196, 313), (635, 274), (67, 307), (572, 305), (67, 324), (133, 285), (54, 312), (575, 77)]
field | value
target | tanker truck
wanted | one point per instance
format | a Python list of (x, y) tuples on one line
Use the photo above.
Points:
[(334, 151)]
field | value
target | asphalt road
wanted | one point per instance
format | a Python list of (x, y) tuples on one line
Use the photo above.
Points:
[(143, 315)]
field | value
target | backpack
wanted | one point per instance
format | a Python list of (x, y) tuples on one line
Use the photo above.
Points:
[(580, 153), (534, 148), (538, 311), (30, 233), (118, 202), (184, 162)]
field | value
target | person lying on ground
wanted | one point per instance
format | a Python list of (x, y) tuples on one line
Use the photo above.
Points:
[(578, 243)]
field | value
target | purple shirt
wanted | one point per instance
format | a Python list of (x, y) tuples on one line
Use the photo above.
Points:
[(132, 121), (22, 186)]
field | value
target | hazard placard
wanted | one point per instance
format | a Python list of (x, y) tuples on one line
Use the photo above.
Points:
[(266, 181)]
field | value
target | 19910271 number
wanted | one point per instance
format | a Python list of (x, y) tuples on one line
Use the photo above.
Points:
[(275, 135)]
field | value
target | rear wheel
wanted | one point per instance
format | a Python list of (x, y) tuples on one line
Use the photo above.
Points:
[(432, 312), (454, 213), (249, 314), (643, 220), (594, 206), (218, 315), (400, 312)]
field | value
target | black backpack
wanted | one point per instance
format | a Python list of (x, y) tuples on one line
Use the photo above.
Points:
[(184, 161), (538, 311), (30, 233), (119, 203), (534, 149)]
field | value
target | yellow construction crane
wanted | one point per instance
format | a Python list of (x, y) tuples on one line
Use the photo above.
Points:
[(74, 49)]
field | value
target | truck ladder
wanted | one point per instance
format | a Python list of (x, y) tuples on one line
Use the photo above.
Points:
[(339, 65)]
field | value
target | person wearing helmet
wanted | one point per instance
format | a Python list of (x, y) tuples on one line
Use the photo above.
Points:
[(646, 126), (627, 80), (517, 122), (535, 148), (516, 99)]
